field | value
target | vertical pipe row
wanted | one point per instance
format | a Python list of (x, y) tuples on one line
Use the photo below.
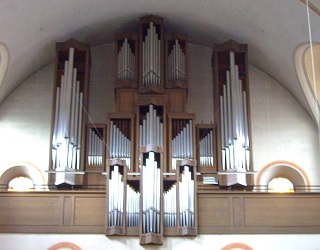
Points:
[(151, 129), (176, 63), (206, 149), (234, 121), (119, 144), (116, 197), (66, 142), (133, 203), (151, 195), (186, 198), (151, 58), (95, 149), (182, 143), (170, 207), (126, 62)]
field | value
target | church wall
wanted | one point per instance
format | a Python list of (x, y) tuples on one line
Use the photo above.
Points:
[(203, 242)]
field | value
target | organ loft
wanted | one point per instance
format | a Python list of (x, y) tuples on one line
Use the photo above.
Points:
[(151, 154)]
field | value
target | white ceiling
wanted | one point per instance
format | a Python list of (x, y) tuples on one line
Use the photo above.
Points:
[(273, 30)]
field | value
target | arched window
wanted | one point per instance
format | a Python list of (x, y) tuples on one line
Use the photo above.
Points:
[(280, 184), (21, 184), (307, 62)]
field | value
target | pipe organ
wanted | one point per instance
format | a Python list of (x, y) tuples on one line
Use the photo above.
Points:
[(232, 119), (186, 197), (127, 60), (68, 116), (120, 140), (182, 138), (95, 146), (206, 156), (176, 60), (151, 128), (151, 179), (151, 152)]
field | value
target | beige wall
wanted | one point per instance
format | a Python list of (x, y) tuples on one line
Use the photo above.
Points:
[(203, 242), (281, 129)]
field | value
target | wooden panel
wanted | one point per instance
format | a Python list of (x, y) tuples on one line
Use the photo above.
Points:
[(67, 211), (30, 210), (89, 211), (282, 211), (126, 100), (213, 211), (177, 99)]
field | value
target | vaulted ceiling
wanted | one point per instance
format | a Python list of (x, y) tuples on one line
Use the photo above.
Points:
[(272, 29)]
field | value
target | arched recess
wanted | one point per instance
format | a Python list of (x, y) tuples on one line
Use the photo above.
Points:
[(237, 246), (284, 169), (25, 170), (64, 246)]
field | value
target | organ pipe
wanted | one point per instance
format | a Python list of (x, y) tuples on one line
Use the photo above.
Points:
[(176, 63), (133, 207), (95, 147), (151, 129), (120, 141), (151, 179), (126, 62), (170, 207), (234, 121), (151, 58), (182, 142), (66, 142), (186, 198), (206, 149), (116, 198)]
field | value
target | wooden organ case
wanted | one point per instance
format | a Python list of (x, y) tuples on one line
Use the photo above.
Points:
[(232, 119), (69, 115), (151, 157)]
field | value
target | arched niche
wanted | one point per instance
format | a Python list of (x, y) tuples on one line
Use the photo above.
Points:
[(284, 169), (24, 170)]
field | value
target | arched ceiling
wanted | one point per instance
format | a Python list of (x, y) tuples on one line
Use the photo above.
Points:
[(272, 29)]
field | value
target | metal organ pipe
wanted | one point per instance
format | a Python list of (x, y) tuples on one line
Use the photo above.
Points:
[(126, 62), (182, 143), (206, 149), (151, 58), (66, 142), (170, 207), (151, 195), (186, 198), (151, 129), (119, 142), (95, 150), (116, 196), (234, 122), (132, 210), (176, 63)]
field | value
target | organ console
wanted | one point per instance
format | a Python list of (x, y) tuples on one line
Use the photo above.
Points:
[(152, 153)]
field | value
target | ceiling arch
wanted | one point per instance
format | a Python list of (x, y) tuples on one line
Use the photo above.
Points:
[(272, 29)]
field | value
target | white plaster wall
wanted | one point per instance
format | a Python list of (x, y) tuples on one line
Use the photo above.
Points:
[(25, 122), (203, 242), (281, 129)]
